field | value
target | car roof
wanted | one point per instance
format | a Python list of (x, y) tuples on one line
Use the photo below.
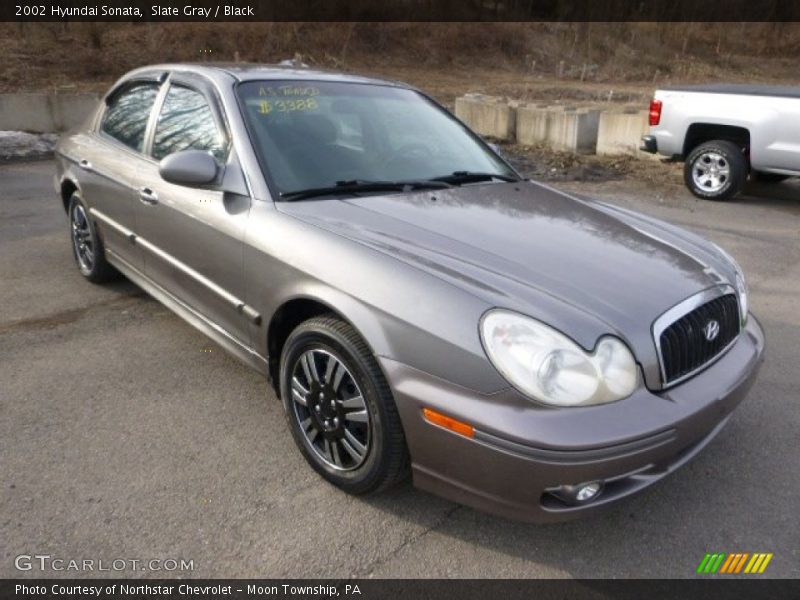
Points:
[(258, 72)]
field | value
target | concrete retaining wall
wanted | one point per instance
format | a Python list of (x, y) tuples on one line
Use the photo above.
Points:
[(533, 123), (620, 132), (567, 129), (44, 113), (488, 115)]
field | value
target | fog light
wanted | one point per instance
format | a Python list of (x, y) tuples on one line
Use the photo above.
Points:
[(587, 492), (578, 494)]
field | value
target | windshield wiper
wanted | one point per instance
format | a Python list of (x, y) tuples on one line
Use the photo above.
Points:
[(460, 177), (359, 185)]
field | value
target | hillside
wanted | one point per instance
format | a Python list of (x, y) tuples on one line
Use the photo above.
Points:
[(578, 61)]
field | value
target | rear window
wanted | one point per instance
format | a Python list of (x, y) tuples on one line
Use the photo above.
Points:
[(127, 114)]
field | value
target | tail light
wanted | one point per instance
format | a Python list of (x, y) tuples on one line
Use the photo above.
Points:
[(655, 112)]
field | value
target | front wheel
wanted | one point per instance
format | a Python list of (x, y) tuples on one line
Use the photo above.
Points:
[(340, 408), (716, 170)]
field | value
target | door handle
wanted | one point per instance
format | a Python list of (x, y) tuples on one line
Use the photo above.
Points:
[(85, 165), (148, 196)]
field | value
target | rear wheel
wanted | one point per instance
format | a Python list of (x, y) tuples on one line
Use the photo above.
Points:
[(87, 247), (340, 408), (715, 170)]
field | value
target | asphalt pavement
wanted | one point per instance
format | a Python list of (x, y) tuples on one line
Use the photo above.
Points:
[(126, 434)]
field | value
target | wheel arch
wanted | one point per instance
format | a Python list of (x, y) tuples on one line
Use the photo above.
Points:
[(700, 133), (294, 311), (67, 188)]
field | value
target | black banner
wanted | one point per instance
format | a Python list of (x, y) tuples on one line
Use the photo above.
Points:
[(399, 10), (403, 589)]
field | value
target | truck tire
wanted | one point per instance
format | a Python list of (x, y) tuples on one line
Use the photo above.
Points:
[(715, 170)]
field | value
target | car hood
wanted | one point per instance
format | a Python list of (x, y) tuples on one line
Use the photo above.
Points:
[(527, 247)]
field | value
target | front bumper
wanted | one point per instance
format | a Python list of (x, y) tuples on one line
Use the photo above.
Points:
[(520, 450)]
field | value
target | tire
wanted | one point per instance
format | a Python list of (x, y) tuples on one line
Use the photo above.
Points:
[(762, 177), (715, 170), (358, 446), (87, 247)]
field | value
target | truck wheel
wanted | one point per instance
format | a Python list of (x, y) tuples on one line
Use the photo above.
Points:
[(762, 177), (716, 170)]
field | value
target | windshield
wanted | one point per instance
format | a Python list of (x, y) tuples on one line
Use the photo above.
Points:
[(315, 134)]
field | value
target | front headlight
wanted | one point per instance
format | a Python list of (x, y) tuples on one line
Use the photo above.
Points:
[(549, 367), (739, 282)]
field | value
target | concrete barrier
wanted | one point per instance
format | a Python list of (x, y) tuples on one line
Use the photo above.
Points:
[(583, 130), (533, 123), (44, 113), (620, 132), (488, 115), (563, 128)]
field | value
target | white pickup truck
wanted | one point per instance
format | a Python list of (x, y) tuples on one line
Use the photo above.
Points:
[(725, 133)]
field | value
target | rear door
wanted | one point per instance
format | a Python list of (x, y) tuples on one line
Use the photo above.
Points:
[(192, 237), (109, 161), (775, 140)]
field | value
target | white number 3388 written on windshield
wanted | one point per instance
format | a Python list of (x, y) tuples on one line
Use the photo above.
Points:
[(266, 106)]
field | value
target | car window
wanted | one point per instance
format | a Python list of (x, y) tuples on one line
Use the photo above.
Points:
[(310, 134), (127, 114), (187, 123)]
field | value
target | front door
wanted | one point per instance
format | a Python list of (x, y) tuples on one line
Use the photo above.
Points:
[(192, 238)]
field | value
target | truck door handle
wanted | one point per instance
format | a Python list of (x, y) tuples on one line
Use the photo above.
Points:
[(85, 165), (148, 196)]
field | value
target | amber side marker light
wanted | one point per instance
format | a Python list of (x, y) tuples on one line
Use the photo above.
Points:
[(448, 423)]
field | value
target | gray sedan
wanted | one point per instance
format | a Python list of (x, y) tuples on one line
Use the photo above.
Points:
[(417, 305)]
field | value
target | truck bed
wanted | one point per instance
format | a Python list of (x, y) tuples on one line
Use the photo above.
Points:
[(780, 91)]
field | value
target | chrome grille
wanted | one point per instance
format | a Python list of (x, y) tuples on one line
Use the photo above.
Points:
[(693, 340)]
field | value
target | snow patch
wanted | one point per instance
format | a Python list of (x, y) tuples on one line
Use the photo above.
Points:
[(19, 145)]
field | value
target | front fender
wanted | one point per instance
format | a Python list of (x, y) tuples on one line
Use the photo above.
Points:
[(402, 313)]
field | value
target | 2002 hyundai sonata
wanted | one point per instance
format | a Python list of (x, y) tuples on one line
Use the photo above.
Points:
[(416, 304)]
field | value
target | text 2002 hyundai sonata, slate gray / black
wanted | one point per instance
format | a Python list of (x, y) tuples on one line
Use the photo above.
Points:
[(416, 304)]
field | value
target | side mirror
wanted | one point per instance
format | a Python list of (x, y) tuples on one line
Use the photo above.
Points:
[(192, 168)]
